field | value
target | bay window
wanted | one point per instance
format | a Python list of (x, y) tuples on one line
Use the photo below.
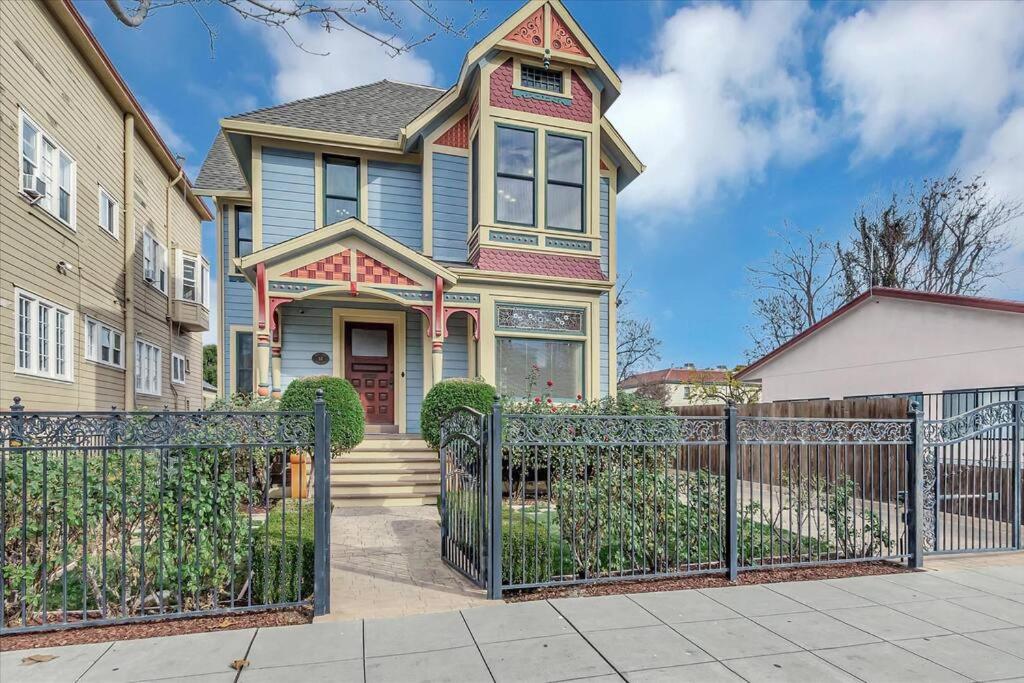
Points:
[(47, 172), (525, 365), (103, 344), (516, 171), (193, 278), (565, 182), (148, 360), (43, 331), (341, 189), (154, 262)]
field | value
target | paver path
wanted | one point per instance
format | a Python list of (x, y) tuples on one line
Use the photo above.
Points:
[(385, 562), (962, 622)]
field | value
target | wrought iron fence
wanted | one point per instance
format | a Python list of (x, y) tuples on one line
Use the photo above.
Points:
[(561, 499), (117, 516)]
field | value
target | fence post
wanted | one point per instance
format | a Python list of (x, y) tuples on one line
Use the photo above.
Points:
[(15, 440), (731, 474), (915, 489), (321, 506), (1018, 453), (494, 491)]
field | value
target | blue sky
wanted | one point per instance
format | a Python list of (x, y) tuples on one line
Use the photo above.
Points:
[(751, 118)]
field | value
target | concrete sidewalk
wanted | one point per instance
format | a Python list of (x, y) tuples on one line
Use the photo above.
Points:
[(954, 624)]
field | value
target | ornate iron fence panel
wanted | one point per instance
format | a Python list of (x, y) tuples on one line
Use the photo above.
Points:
[(110, 517), (464, 448), (972, 479)]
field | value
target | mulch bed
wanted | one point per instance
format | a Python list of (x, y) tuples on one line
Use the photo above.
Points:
[(153, 629), (835, 571)]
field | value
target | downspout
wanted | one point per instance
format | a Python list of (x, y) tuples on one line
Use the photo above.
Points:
[(172, 282), (129, 261)]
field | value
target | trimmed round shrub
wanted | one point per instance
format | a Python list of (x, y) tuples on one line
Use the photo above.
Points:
[(445, 397), (347, 419)]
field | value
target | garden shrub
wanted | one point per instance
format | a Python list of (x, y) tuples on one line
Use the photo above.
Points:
[(445, 397), (532, 550), (347, 419), (282, 563)]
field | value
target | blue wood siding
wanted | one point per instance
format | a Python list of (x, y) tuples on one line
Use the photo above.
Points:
[(456, 348), (451, 207), (289, 199), (413, 371), (605, 358), (306, 330), (605, 209), (237, 302), (394, 202)]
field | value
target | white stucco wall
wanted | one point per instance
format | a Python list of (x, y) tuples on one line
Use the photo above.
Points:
[(889, 345)]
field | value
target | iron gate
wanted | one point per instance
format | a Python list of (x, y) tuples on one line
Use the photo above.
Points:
[(464, 441), (972, 480)]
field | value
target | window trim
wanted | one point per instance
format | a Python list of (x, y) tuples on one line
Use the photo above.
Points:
[(474, 162), (201, 277), (177, 358), (55, 185), (339, 159), (115, 229), (36, 302), (583, 344), (140, 390), (96, 357), (150, 238), (523, 66), (497, 174), (235, 210), (583, 185), (517, 77)]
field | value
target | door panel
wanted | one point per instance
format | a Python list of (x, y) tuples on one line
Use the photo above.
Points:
[(370, 367)]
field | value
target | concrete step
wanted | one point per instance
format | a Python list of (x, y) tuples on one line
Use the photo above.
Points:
[(387, 488), (354, 479), (382, 501), (384, 458), (386, 465), (403, 445)]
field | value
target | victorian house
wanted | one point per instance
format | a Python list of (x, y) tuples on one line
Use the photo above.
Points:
[(397, 234)]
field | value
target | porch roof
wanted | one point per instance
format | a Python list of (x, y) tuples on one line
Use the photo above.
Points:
[(308, 243)]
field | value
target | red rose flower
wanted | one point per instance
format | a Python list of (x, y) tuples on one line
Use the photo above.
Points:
[(536, 399), (550, 401), (579, 397), (550, 383)]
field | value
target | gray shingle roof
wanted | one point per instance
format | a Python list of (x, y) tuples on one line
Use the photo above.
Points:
[(220, 170), (376, 110)]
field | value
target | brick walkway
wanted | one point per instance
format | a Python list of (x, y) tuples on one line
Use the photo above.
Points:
[(385, 562)]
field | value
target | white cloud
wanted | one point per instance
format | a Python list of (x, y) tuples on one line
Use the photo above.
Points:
[(906, 72), (342, 59), (174, 140), (726, 94)]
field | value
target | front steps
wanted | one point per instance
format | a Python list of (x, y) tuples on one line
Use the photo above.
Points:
[(386, 470)]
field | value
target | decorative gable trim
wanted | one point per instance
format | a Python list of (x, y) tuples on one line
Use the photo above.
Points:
[(335, 267), (457, 135), (369, 269), (530, 31), (562, 39)]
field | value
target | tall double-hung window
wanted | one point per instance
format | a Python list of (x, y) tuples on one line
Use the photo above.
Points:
[(43, 332), (243, 231), (148, 363), (193, 279), (565, 182), (341, 189), (47, 172), (103, 344), (516, 172), (154, 262)]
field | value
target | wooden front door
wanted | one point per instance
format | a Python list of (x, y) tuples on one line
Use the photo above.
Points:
[(370, 367)]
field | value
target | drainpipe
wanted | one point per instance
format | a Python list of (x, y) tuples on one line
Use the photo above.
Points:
[(172, 263), (129, 261)]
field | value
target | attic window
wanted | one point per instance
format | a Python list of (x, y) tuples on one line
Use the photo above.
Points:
[(541, 79)]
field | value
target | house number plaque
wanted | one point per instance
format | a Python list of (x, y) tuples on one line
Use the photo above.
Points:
[(320, 358)]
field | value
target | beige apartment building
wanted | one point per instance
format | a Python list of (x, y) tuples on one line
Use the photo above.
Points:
[(104, 292)]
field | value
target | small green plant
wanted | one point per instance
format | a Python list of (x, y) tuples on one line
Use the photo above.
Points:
[(445, 397), (283, 554), (347, 418)]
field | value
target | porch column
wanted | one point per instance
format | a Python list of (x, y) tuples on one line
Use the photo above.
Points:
[(263, 364), (436, 360), (275, 371)]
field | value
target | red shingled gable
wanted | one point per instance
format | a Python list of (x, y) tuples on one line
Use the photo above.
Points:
[(580, 109), (532, 263)]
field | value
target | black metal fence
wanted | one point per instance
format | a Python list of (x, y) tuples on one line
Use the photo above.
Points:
[(116, 516), (559, 499)]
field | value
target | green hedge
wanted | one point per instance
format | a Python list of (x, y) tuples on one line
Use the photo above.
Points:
[(445, 397), (347, 419), (275, 556), (532, 550)]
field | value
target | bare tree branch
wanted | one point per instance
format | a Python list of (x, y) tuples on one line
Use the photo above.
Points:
[(636, 346), (131, 19)]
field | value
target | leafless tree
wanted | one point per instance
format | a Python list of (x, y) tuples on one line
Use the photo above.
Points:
[(636, 345), (332, 15), (946, 237), (792, 290), (708, 389)]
